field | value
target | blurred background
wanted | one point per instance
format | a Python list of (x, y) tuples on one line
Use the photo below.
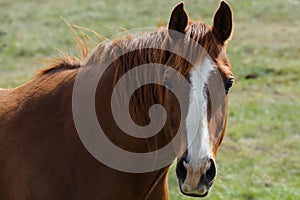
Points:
[(259, 157)]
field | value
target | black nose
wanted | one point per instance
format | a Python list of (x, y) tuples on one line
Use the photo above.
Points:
[(206, 178), (210, 174)]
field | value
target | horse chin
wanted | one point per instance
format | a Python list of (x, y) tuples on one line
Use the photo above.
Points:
[(192, 194), (195, 195)]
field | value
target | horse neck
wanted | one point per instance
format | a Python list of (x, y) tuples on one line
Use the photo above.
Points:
[(156, 182), (159, 188)]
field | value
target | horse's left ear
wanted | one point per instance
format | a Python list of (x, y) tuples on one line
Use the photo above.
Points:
[(222, 24), (178, 20)]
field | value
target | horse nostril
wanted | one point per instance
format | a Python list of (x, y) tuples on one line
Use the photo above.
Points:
[(211, 172), (180, 170)]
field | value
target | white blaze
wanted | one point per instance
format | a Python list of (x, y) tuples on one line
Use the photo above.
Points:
[(196, 122)]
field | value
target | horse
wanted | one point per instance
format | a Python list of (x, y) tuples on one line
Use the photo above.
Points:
[(43, 156)]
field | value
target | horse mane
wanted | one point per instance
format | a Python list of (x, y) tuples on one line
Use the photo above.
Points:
[(196, 30), (131, 56), (61, 63)]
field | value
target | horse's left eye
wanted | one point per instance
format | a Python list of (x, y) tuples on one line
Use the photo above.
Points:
[(228, 83)]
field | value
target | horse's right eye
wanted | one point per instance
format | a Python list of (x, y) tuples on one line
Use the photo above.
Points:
[(228, 84), (167, 83)]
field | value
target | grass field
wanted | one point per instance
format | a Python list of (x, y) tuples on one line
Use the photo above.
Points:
[(259, 158)]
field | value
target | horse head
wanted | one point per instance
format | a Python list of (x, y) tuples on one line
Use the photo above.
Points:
[(210, 79)]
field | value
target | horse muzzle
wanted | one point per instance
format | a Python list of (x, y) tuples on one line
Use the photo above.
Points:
[(193, 182)]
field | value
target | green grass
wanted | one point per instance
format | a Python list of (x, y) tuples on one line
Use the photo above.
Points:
[(259, 158)]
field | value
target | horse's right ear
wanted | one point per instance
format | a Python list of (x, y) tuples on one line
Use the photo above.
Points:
[(178, 20)]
